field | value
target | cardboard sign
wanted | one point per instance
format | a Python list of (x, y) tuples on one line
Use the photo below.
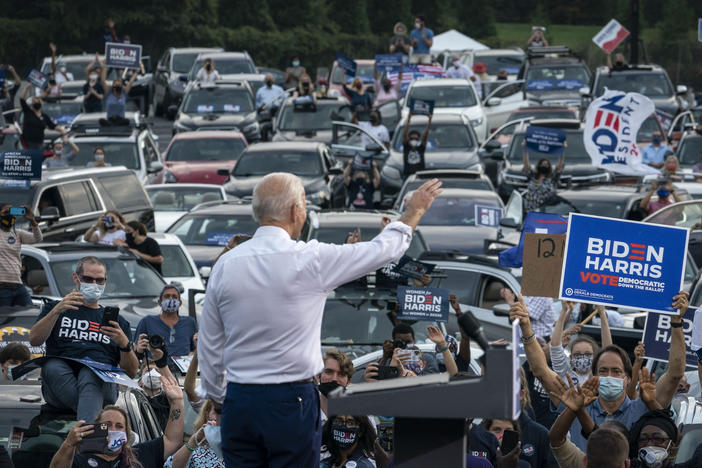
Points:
[(610, 36), (21, 164), (542, 264), (122, 55), (657, 334), (623, 263), (421, 106), (37, 78), (423, 304), (545, 140), (488, 215), (413, 268), (388, 63), (540, 223), (106, 372), (346, 64)]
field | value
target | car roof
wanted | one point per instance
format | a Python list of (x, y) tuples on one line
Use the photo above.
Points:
[(441, 82), (325, 101), (222, 207), (446, 174), (567, 124), (446, 119), (285, 145), (222, 55), (457, 192), (207, 134), (185, 50), (531, 109), (187, 185), (634, 69), (77, 250), (84, 57), (515, 51), (165, 238), (602, 192), (363, 219), (58, 174)]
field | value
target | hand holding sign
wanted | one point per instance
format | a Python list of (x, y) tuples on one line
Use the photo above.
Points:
[(680, 303), (639, 352), (421, 106), (519, 311)]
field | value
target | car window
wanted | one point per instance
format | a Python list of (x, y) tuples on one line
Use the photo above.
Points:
[(178, 198), (464, 284), (690, 151), (183, 62), (116, 154), (212, 229), (175, 263), (574, 153), (312, 119), (601, 207), (298, 163), (125, 191), (556, 77), (455, 211), (682, 215), (495, 63), (218, 101), (76, 198), (206, 149), (366, 72), (225, 67), (649, 84), (445, 96), (440, 138)]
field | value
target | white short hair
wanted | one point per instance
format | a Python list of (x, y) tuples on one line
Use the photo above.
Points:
[(275, 194)]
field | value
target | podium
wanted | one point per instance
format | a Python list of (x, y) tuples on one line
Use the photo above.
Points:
[(430, 411)]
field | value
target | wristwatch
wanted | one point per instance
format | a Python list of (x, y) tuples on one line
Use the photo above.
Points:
[(127, 348)]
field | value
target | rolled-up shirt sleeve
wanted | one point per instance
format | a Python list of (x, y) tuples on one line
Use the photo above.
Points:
[(559, 361), (210, 346), (340, 264)]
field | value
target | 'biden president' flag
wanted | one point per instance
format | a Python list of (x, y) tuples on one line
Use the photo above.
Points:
[(611, 125)]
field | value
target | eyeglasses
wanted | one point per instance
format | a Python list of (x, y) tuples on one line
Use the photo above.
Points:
[(90, 279), (348, 422), (654, 439)]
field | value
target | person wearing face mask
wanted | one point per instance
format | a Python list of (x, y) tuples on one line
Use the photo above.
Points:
[(653, 442), (121, 451), (107, 230), (399, 42), (62, 155), (72, 328), (98, 159), (654, 153), (203, 449), (385, 91), (413, 149), (52, 91), (93, 92), (293, 74), (671, 166), (35, 122), (543, 182), (63, 74), (459, 70), (360, 186), (141, 245), (375, 127), (620, 62), (537, 38), (208, 73), (359, 99), (304, 93), (149, 378), (348, 439), (269, 94), (12, 291), (664, 190), (11, 356), (337, 372), (178, 332), (421, 38), (115, 99)]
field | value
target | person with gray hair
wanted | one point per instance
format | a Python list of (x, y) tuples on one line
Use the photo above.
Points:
[(259, 345)]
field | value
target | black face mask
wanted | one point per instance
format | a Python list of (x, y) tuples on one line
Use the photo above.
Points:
[(387, 86), (326, 387), (208, 67), (129, 238), (52, 82), (269, 83), (374, 119), (7, 221), (36, 105), (543, 169)]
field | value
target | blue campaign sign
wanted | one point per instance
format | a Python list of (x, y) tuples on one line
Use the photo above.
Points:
[(119, 55), (540, 85), (488, 215), (623, 263), (346, 64), (37, 78), (388, 63), (423, 303), (421, 106), (21, 164), (218, 238), (545, 140), (657, 333), (569, 84), (539, 223)]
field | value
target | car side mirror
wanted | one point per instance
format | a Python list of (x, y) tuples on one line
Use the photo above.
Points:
[(205, 271), (493, 101), (681, 89), (585, 91), (335, 171), (501, 310), (509, 223), (154, 167), (223, 172), (49, 214), (374, 148), (493, 145)]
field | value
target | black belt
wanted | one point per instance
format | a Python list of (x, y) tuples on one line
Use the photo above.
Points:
[(296, 382)]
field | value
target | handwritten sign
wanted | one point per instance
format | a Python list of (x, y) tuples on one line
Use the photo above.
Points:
[(542, 264)]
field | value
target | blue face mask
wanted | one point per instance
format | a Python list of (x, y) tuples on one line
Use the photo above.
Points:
[(611, 388), (662, 193), (656, 140), (296, 63), (213, 434)]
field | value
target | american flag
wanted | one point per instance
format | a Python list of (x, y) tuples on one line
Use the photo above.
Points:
[(413, 72)]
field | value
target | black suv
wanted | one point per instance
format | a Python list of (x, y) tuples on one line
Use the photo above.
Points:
[(553, 76), (650, 80), (224, 105), (70, 200)]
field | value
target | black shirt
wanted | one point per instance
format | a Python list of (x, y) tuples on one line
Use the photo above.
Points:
[(161, 407), (540, 400), (398, 41), (148, 247), (536, 445), (360, 193), (93, 103), (150, 455), (413, 158), (33, 127)]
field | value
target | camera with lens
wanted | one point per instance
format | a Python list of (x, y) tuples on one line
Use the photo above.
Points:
[(156, 342), (399, 344)]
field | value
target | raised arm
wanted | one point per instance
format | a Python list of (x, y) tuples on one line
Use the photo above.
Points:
[(190, 377), (559, 360), (668, 382), (131, 82), (526, 168), (647, 198), (575, 398), (405, 135), (605, 333), (103, 75), (173, 434), (639, 352), (18, 80), (375, 175), (435, 335), (52, 46), (426, 132), (347, 172)]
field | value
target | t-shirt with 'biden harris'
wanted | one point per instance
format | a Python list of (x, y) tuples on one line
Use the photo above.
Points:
[(76, 334)]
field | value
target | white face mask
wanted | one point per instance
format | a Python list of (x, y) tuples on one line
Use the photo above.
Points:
[(413, 143), (653, 456), (214, 438), (456, 64), (91, 291), (93, 77), (418, 25), (170, 305), (99, 156), (117, 439), (63, 69), (152, 380)]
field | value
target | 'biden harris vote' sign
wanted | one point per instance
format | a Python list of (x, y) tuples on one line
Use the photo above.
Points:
[(623, 263)]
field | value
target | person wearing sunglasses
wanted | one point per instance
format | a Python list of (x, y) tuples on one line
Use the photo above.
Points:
[(73, 328)]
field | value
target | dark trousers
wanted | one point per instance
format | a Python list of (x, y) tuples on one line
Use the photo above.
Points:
[(17, 295), (271, 426)]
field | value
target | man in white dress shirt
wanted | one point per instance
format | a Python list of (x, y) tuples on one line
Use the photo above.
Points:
[(259, 344)]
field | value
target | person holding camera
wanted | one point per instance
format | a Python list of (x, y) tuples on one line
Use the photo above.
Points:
[(76, 327), (151, 372), (12, 291), (108, 228)]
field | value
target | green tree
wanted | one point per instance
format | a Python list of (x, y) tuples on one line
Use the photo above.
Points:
[(351, 17)]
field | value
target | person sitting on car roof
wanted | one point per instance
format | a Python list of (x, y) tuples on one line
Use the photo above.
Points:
[(141, 245), (208, 73), (72, 328), (108, 228), (93, 92), (671, 166), (360, 186), (269, 94), (11, 356), (35, 122), (305, 89), (12, 291), (620, 62), (115, 99)]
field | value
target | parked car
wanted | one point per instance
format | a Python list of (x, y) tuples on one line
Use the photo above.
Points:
[(554, 76), (305, 122), (450, 178), (178, 266), (69, 201), (195, 157), (314, 163), (365, 70), (226, 63), (510, 60), (685, 214), (689, 151), (172, 201)]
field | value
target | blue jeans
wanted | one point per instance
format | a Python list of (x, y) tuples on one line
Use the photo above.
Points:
[(81, 391), (15, 296), (271, 426)]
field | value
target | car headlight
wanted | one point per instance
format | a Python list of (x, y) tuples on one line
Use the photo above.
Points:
[(169, 178), (476, 122), (251, 128)]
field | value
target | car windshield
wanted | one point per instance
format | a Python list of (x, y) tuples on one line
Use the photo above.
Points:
[(212, 229), (684, 215), (9, 141), (690, 151), (116, 154), (651, 84), (173, 197), (302, 120), (56, 110), (647, 128), (598, 207), (365, 72), (449, 182), (218, 100), (225, 66), (575, 153), (206, 149), (259, 163), (441, 138), (556, 77), (362, 321), (182, 63), (455, 211), (550, 114), (74, 67), (495, 63), (126, 277), (444, 96), (175, 263), (337, 235)]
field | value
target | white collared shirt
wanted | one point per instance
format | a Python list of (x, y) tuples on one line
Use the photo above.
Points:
[(262, 318)]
